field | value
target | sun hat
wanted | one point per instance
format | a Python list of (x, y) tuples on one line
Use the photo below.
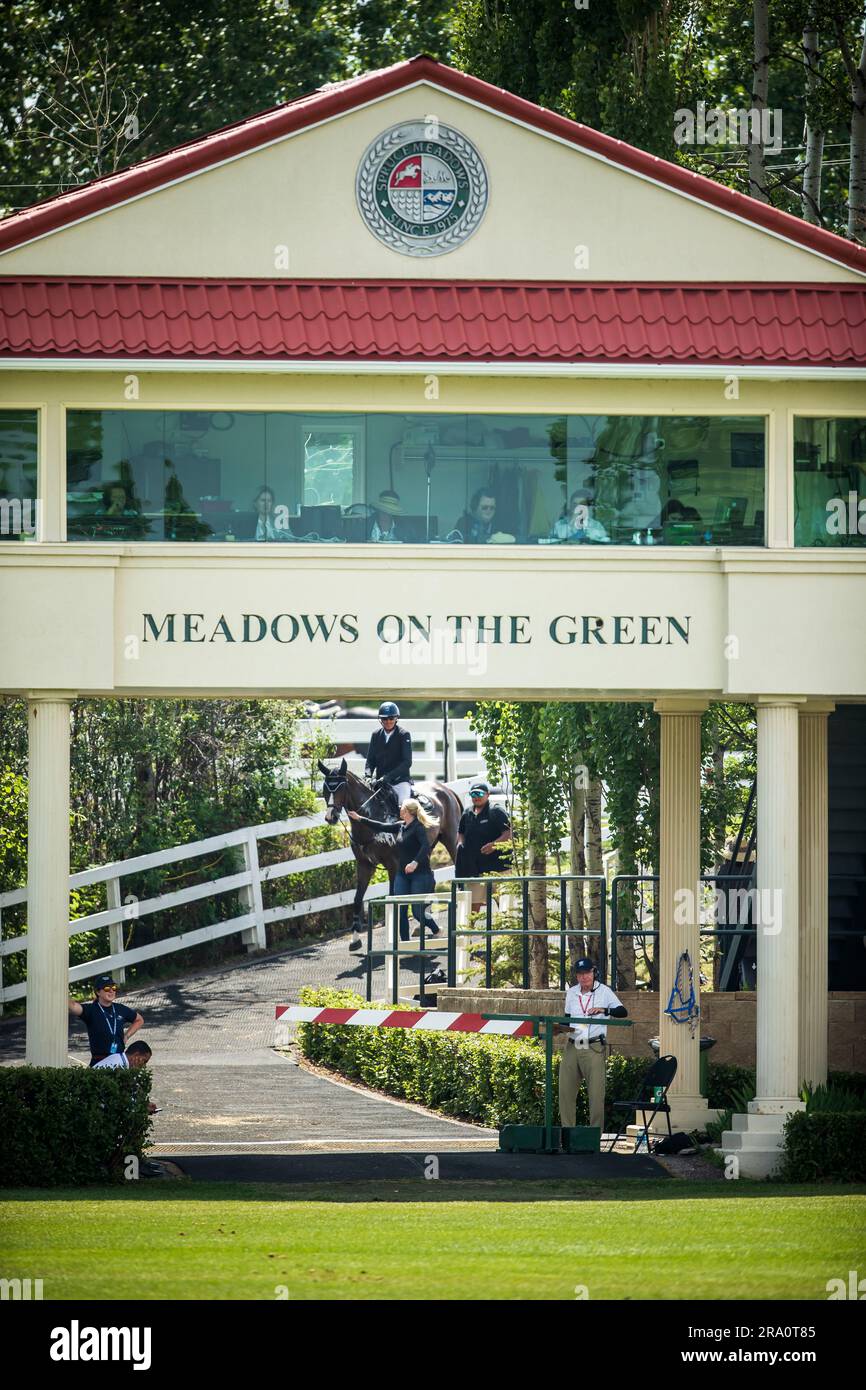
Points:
[(389, 502)]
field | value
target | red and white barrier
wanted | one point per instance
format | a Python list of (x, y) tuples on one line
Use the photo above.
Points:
[(426, 1020)]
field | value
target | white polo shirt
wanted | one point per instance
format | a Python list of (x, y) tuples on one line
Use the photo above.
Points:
[(116, 1059), (578, 1005)]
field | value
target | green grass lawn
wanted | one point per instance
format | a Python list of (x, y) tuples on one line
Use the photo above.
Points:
[(411, 1239)]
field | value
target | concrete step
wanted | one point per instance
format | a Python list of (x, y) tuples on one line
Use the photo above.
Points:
[(757, 1124), (756, 1142)]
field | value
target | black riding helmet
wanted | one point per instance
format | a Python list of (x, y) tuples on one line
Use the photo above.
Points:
[(388, 710)]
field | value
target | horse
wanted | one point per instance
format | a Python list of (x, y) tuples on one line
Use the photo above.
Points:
[(345, 791)]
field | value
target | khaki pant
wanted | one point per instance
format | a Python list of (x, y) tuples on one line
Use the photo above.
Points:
[(578, 1064)]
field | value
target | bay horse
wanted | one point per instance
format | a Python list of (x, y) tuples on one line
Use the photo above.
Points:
[(344, 790)]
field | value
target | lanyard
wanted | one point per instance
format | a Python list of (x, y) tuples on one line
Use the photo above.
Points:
[(112, 1026), (584, 1007)]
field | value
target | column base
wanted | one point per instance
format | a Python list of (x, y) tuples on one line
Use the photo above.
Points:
[(756, 1139), (688, 1113)]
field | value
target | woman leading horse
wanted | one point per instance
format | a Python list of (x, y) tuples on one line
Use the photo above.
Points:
[(414, 874), (345, 791)]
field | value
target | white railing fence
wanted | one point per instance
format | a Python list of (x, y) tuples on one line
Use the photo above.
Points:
[(251, 923)]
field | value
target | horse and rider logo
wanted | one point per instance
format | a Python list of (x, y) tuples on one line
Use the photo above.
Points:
[(422, 196)]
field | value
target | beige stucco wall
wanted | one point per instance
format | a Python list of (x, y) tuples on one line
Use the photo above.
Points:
[(798, 616), (546, 199), (76, 619)]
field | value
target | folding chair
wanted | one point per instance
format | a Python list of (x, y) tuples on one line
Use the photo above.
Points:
[(659, 1075)]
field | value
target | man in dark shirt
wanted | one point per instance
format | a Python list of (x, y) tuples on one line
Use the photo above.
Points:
[(109, 1025), (482, 829)]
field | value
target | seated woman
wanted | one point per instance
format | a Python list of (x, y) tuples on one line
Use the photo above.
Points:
[(675, 510), (269, 525), (576, 522), (477, 526), (120, 514), (383, 526), (413, 856)]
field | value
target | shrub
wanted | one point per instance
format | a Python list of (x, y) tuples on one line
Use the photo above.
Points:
[(824, 1147), (67, 1126), (832, 1099), (727, 1084), (491, 1080)]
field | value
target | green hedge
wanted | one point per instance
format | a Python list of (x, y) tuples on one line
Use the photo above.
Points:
[(67, 1126), (491, 1080), (824, 1147)]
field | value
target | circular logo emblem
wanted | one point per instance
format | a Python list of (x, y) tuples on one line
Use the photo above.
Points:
[(422, 188)]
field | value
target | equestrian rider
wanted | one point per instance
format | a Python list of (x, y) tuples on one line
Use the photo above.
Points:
[(389, 757)]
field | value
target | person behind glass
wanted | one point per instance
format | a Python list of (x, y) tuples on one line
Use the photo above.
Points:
[(413, 856), (116, 501), (673, 513), (389, 756), (584, 1058), (109, 1025), (476, 525), (120, 513), (269, 527), (576, 522), (383, 526)]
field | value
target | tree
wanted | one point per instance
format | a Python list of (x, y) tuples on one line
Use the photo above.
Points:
[(183, 70), (610, 66), (814, 126), (148, 774), (856, 72), (760, 91)]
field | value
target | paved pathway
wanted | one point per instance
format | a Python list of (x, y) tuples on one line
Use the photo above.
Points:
[(223, 1088)]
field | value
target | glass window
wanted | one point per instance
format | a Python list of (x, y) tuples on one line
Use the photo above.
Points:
[(18, 464), (392, 478), (829, 481)]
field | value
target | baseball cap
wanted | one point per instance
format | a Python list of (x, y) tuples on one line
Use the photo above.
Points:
[(479, 789), (584, 964), (103, 981)]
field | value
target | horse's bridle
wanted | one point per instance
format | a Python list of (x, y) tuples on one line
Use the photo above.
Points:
[(344, 782)]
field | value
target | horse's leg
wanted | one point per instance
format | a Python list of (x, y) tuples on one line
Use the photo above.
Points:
[(365, 873)]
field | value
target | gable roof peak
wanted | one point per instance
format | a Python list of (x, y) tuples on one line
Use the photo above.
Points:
[(336, 99)]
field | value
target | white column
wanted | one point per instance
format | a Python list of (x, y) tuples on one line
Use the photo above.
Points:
[(52, 474), (48, 879), (780, 481), (756, 1138), (814, 891), (677, 905)]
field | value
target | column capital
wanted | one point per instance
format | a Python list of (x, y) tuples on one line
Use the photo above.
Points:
[(56, 697), (818, 707), (680, 704), (780, 701)]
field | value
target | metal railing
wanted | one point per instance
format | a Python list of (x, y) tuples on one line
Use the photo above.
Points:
[(489, 933), (396, 948), (738, 934)]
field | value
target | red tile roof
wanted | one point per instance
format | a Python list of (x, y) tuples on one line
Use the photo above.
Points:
[(337, 98), (393, 320)]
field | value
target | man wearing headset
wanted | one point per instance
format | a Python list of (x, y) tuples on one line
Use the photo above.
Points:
[(389, 757), (584, 1057)]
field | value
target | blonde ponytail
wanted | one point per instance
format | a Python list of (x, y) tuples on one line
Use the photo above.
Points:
[(414, 805)]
